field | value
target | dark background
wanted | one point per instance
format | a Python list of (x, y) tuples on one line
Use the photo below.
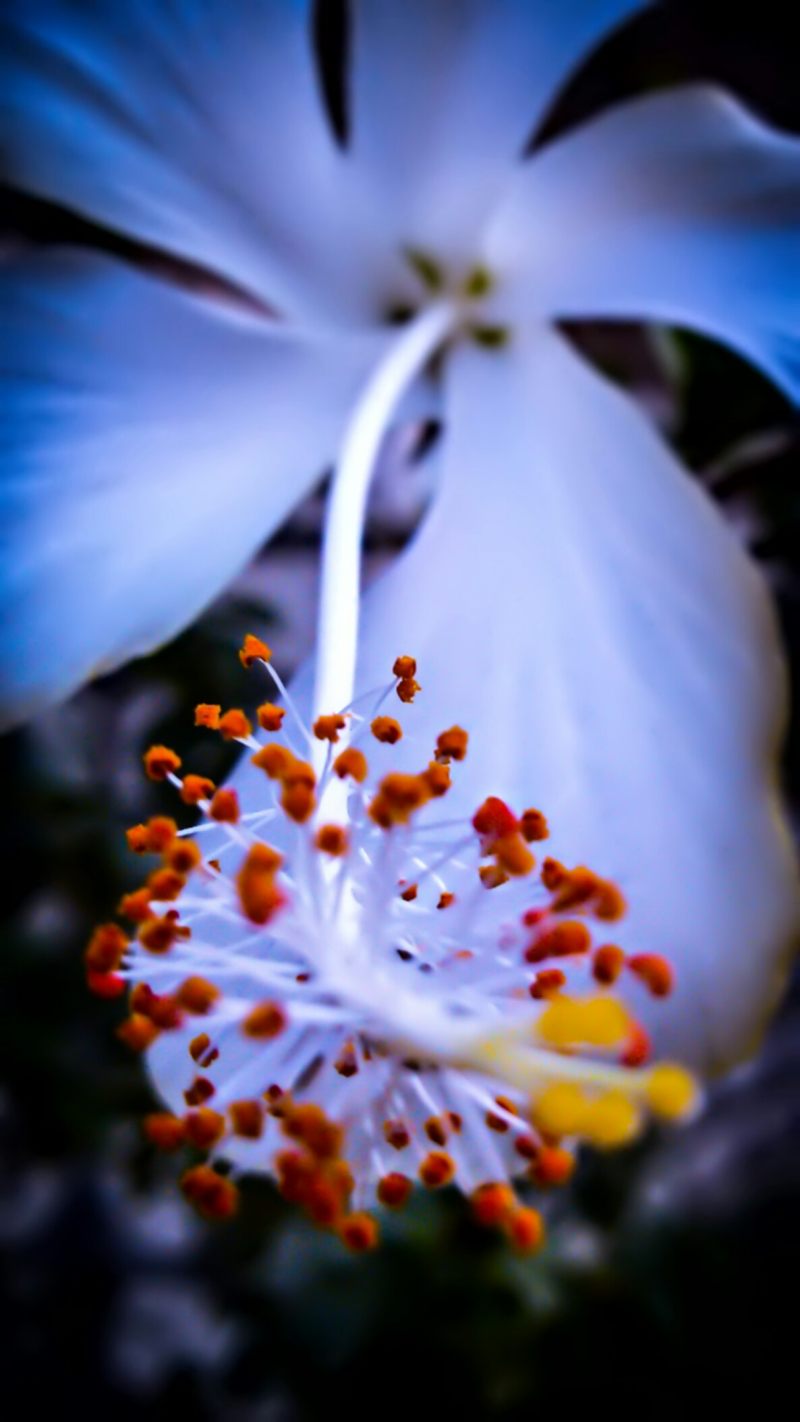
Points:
[(671, 1267)]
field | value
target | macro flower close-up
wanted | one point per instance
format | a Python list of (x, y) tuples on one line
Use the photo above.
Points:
[(502, 891)]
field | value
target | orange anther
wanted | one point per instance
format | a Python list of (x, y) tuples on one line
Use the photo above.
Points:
[(234, 725), (317, 1132), (137, 839), (445, 900), (493, 1204), (387, 730), (200, 1091), (105, 949), (212, 1194), (399, 795), (637, 1049), (208, 716), (526, 1230), (204, 1127), (492, 820), (499, 1123), (247, 1119), (161, 831), (165, 885), (136, 906), (394, 1189), (352, 762), (259, 895), (610, 902), (492, 876), (407, 689), (107, 985), (607, 964), (533, 825), (547, 982), (346, 1062), (359, 1232), (183, 856), (197, 994), (437, 1169), (437, 778), (137, 1032), (327, 728), (527, 1146), (396, 1134), (409, 893), (332, 839), (253, 650), (157, 935), (162, 1009), (654, 971), (270, 717), (437, 1129), (404, 667), (265, 1021), (196, 788), (553, 874), (513, 855), (553, 1166), (199, 1045), (164, 1130), (274, 760), (225, 807), (452, 744), (160, 761), (563, 940), (298, 801)]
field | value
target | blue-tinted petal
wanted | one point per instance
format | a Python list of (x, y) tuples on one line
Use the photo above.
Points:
[(680, 207)]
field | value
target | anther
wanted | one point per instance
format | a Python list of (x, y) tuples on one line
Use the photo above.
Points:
[(234, 725), (253, 650), (247, 1119), (493, 1204), (437, 1169), (270, 717), (106, 948), (394, 1189), (225, 807), (212, 1194), (526, 1230), (387, 730), (534, 826), (137, 1032), (327, 728), (197, 995), (265, 1021), (353, 763), (204, 1127), (332, 839), (607, 964), (452, 744), (654, 971), (163, 1130), (260, 896), (207, 715), (359, 1232), (196, 788), (160, 761)]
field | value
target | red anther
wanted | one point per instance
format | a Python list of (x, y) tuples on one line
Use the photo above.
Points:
[(410, 893), (157, 935), (437, 1169), (106, 948), (265, 1021), (247, 1119), (396, 1134), (513, 855), (278, 1100), (160, 761), (183, 856), (259, 895), (452, 744), (332, 839), (107, 985), (437, 778), (137, 839), (492, 876), (493, 819), (165, 885), (499, 1123), (274, 760), (563, 940), (404, 667), (445, 900), (163, 1130), (196, 788), (353, 763), (341, 1178), (197, 995), (165, 1012), (204, 1127), (532, 918), (526, 1230), (455, 1121), (207, 715), (437, 1129), (225, 807), (607, 964), (359, 1232), (407, 689), (136, 906), (234, 725), (317, 1132), (534, 826), (346, 1062), (298, 801), (547, 982), (199, 1045), (270, 717), (161, 831), (527, 1146), (253, 650), (553, 1166), (654, 971), (327, 728), (296, 1175), (387, 730), (493, 1204), (213, 1195), (394, 1190), (137, 1032), (200, 1091), (637, 1049)]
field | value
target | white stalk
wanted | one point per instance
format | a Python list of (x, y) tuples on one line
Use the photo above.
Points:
[(337, 641)]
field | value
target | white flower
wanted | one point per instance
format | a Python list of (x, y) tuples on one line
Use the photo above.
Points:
[(571, 590)]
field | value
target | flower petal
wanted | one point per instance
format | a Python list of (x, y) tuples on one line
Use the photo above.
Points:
[(151, 441), (445, 97), (682, 207), (195, 128), (577, 603)]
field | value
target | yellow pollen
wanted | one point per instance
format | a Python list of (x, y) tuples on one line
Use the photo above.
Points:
[(670, 1091), (593, 1022)]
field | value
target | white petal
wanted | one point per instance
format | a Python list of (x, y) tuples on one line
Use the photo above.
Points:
[(196, 128), (681, 207), (445, 97), (151, 441), (577, 603)]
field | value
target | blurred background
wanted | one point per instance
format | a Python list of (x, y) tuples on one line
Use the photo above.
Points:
[(669, 1266)]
